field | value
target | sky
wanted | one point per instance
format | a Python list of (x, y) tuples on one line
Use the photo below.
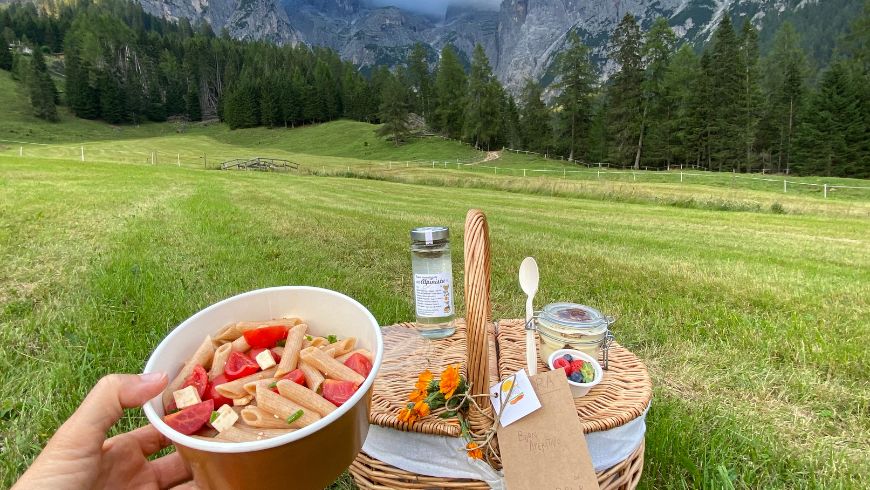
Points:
[(435, 7)]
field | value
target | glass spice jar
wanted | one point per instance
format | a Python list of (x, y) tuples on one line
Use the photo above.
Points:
[(433, 281)]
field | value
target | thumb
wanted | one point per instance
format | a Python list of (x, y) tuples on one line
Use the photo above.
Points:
[(106, 402)]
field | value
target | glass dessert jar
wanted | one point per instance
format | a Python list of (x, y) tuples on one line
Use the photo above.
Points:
[(571, 326)]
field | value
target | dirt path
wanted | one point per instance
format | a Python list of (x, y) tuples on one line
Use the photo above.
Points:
[(490, 156)]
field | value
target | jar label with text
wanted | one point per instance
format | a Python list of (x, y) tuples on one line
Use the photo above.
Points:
[(433, 294)]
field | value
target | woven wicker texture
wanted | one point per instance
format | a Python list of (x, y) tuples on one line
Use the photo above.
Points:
[(370, 474), (622, 395)]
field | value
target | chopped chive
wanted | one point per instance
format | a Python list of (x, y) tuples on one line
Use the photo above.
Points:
[(282, 343), (273, 385), (214, 416), (332, 338), (309, 338), (296, 416)]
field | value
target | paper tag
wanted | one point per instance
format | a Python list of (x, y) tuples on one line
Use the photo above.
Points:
[(522, 401), (547, 449), (427, 234)]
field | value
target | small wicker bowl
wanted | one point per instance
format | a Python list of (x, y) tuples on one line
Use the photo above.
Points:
[(578, 389)]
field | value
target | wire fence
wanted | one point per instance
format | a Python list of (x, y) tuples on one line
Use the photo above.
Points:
[(602, 172)]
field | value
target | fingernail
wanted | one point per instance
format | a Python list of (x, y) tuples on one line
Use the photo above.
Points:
[(151, 377)]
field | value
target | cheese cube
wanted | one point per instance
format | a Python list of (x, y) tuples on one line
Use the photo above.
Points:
[(265, 359), (186, 397), (225, 409), (225, 420), (238, 402)]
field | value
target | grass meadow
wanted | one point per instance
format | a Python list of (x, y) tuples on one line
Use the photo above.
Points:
[(750, 306), (753, 325)]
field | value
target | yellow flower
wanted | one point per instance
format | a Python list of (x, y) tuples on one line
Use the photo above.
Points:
[(423, 381), (474, 450), (450, 380)]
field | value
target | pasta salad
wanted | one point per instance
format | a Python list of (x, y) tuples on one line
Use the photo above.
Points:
[(257, 380)]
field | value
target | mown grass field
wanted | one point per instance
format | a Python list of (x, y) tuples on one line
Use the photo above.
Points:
[(754, 325)]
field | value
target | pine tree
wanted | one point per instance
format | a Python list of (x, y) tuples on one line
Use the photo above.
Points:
[(726, 78), (534, 118), (625, 91), (242, 106), (482, 118), (599, 135), (510, 121), (421, 80), (271, 114), (784, 87), (191, 101), (654, 140), (393, 111), (681, 84), (751, 90), (450, 86), (42, 89), (5, 56), (834, 129), (577, 81)]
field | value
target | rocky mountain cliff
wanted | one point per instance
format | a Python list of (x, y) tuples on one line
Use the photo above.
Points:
[(521, 39)]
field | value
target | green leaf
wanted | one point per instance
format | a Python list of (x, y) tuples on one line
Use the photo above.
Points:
[(448, 414), (332, 338), (296, 416), (282, 343), (309, 338), (273, 385), (213, 417)]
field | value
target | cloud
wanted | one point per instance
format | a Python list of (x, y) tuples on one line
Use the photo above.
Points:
[(435, 7)]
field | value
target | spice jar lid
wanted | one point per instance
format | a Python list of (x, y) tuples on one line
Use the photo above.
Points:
[(429, 234), (571, 316)]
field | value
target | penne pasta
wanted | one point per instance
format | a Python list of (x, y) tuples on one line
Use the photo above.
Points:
[(284, 408), (278, 351), (256, 417), (341, 347), (364, 352), (202, 357), (241, 345), (305, 397), (251, 388), (318, 342), (220, 360), (313, 377), (287, 322), (329, 366), (266, 433), (236, 389), (228, 333), (292, 346)]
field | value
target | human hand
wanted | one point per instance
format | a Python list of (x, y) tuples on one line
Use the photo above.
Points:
[(80, 456)]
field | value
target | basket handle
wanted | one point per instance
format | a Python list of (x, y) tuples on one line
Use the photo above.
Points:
[(477, 299)]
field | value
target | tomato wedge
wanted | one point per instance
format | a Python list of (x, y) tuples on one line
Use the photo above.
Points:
[(337, 392), (239, 365), (198, 379), (213, 394), (296, 376), (253, 353), (265, 337), (359, 363), (190, 419)]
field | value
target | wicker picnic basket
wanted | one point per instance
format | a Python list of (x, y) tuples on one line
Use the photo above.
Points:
[(489, 351)]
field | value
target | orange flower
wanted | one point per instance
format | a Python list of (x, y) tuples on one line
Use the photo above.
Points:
[(423, 381), (417, 395), (406, 415), (421, 408), (450, 380), (474, 450)]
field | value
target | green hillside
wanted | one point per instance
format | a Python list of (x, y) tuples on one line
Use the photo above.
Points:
[(309, 144)]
